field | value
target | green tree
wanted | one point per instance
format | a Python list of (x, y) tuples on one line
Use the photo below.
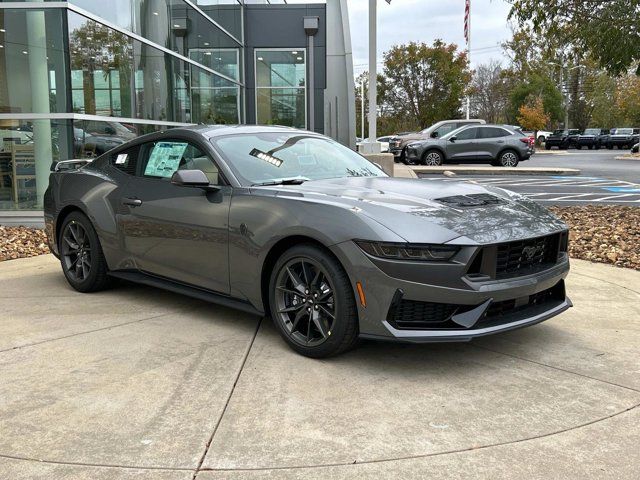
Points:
[(425, 84), (537, 86), (605, 29)]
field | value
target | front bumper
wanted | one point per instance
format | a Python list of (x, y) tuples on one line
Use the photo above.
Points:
[(385, 283)]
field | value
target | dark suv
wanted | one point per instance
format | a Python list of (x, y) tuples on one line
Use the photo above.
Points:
[(593, 138), (562, 139), (621, 138)]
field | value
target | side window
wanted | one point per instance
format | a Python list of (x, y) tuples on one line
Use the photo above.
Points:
[(443, 130), (126, 160), (163, 158), (468, 134), (491, 132)]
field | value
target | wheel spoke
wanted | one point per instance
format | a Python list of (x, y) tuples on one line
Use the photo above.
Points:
[(74, 246), (299, 316), (327, 311), (74, 234), (325, 295), (315, 283), (286, 290), (85, 270), (305, 273), (297, 283), (293, 308), (317, 321)]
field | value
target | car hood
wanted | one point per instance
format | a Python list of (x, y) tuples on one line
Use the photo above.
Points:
[(428, 211)]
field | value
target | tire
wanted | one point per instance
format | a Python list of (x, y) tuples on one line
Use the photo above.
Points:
[(609, 147), (509, 159), (81, 256), (579, 147), (432, 158), (547, 147), (312, 323)]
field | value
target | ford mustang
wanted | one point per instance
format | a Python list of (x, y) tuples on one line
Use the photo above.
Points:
[(288, 223)]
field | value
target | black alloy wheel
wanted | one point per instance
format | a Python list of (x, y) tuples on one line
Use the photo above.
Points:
[(81, 256), (312, 303)]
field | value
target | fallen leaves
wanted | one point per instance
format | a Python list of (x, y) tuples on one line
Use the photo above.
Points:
[(21, 242), (603, 234)]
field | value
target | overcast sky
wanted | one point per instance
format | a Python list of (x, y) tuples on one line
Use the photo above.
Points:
[(425, 20)]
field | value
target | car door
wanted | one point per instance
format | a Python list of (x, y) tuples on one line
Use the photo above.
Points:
[(461, 146), (178, 232), (489, 142)]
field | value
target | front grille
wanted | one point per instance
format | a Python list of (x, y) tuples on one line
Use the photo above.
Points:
[(415, 315), (527, 256)]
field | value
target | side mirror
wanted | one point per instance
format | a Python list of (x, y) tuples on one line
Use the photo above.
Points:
[(192, 178), (453, 139), (434, 134)]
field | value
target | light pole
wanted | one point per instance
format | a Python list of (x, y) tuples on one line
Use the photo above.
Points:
[(565, 91)]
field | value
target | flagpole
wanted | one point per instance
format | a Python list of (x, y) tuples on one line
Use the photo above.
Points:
[(469, 55)]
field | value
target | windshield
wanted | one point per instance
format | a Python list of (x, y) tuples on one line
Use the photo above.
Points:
[(592, 131), (624, 131), (265, 157)]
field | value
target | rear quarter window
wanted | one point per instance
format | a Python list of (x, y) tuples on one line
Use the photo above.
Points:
[(126, 160)]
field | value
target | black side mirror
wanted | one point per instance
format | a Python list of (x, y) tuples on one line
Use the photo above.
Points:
[(434, 135), (453, 139), (192, 178)]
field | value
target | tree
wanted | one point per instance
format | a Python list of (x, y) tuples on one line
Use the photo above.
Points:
[(537, 86), (425, 83), (605, 29), (490, 93), (628, 100), (532, 116)]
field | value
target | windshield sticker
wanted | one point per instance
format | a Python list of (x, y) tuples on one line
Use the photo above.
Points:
[(122, 159), (165, 159)]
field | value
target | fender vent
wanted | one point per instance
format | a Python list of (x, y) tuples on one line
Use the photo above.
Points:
[(470, 201)]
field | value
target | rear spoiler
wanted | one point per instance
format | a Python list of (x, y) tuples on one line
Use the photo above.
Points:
[(66, 165)]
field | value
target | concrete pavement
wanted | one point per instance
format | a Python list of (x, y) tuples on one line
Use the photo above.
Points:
[(139, 383)]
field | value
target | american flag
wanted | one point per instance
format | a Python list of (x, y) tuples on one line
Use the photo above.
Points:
[(467, 12)]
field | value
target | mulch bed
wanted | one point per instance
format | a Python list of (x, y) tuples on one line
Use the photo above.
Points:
[(604, 234), (21, 242)]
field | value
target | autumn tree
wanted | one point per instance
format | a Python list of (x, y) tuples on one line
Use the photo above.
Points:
[(425, 83), (532, 115)]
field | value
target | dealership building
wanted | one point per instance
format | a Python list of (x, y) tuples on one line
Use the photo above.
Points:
[(80, 77)]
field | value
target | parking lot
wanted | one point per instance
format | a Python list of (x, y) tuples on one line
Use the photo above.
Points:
[(604, 179), (138, 383)]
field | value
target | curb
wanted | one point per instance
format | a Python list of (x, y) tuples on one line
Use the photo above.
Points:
[(494, 170)]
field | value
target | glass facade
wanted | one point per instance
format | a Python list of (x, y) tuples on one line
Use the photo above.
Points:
[(80, 80), (281, 76)]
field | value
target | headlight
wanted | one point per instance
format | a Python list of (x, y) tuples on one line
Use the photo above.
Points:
[(408, 251)]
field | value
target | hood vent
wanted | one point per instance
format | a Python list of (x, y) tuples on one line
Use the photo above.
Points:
[(470, 201)]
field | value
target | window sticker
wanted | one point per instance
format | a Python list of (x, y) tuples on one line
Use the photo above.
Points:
[(164, 159), (122, 159)]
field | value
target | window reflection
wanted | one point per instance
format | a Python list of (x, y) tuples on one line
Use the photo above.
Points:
[(281, 87), (114, 75)]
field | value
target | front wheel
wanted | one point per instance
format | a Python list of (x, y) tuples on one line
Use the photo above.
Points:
[(83, 262), (432, 158), (508, 158), (312, 303)]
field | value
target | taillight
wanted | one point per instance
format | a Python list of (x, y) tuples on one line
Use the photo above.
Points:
[(528, 140)]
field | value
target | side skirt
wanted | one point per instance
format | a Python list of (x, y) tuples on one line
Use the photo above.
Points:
[(183, 289)]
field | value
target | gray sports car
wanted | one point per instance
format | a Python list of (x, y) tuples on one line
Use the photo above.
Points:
[(278, 221)]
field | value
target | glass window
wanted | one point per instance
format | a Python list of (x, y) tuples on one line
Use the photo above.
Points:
[(227, 13), (163, 158), (467, 134), (32, 61), (115, 75), (444, 129), (269, 156), (491, 132), (281, 87), (27, 151)]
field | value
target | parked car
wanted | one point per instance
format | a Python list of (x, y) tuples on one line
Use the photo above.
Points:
[(398, 143), (258, 218), (384, 141), (542, 136), (621, 138), (593, 138), (562, 139), (495, 144)]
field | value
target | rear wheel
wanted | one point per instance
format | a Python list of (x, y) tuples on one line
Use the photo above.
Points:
[(312, 302), (83, 262), (547, 146), (508, 158), (432, 158)]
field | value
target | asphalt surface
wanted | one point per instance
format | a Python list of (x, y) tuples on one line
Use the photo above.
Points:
[(604, 180)]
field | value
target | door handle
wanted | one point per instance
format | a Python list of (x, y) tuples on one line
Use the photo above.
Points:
[(134, 202), (500, 141)]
